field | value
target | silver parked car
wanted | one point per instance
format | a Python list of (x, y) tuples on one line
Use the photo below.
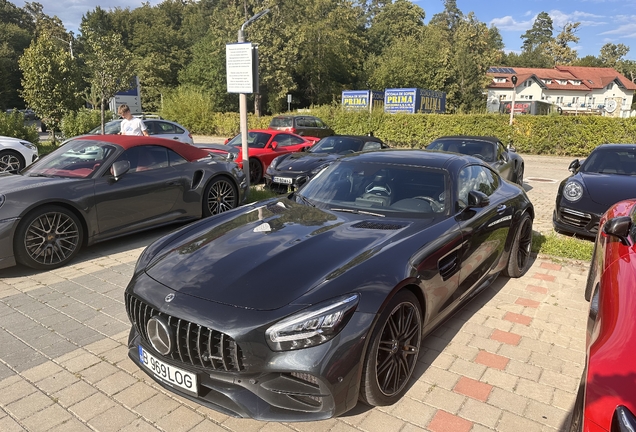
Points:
[(161, 128)]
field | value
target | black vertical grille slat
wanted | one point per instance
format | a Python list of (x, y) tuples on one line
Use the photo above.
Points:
[(204, 347)]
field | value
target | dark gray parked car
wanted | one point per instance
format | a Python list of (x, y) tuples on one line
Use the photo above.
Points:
[(303, 125)]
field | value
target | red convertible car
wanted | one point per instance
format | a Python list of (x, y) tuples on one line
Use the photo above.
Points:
[(264, 145), (607, 395)]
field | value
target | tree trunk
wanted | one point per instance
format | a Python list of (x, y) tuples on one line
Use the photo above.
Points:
[(257, 104), (101, 108)]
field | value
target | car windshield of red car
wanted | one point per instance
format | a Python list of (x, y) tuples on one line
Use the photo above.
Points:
[(254, 140)]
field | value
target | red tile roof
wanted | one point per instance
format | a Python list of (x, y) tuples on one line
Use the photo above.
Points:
[(591, 78)]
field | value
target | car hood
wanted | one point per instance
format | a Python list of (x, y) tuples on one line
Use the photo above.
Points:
[(305, 162), (12, 183), (608, 189), (267, 257)]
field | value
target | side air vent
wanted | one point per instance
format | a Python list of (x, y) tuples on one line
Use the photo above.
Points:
[(196, 179), (378, 225), (448, 265)]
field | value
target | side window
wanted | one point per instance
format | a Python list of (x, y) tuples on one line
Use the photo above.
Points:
[(150, 127), (175, 159), (132, 156), (488, 181), (179, 130), (371, 145), (151, 157), (283, 140), (319, 123), (302, 122), (476, 178), (165, 128), (500, 151), (295, 140)]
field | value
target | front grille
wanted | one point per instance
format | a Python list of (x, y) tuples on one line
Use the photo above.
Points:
[(195, 345), (576, 218)]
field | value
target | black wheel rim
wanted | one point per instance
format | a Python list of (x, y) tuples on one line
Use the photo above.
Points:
[(398, 349), (9, 163), (255, 172), (221, 197), (525, 244), (51, 238)]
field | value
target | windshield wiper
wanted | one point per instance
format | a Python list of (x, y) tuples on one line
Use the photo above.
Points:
[(345, 210), (305, 200)]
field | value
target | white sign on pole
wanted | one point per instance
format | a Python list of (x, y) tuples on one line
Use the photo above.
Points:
[(238, 65)]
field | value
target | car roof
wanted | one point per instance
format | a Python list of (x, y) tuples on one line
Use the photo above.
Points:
[(491, 139), (432, 159), (615, 147), (189, 152), (362, 137)]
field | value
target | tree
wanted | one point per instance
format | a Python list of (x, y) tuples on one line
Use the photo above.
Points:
[(110, 67), (51, 80), (559, 48), (589, 61), (394, 21), (612, 55), (539, 35)]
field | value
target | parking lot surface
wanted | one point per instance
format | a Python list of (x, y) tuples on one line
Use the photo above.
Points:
[(511, 360)]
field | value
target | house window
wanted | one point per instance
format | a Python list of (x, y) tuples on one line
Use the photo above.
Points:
[(610, 86), (559, 99), (575, 99), (592, 101), (575, 82), (499, 80), (530, 97), (502, 97), (562, 82)]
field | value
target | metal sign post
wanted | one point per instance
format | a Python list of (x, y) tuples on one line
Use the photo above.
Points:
[(289, 102), (514, 93)]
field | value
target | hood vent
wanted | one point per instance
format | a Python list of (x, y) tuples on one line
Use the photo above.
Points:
[(379, 225)]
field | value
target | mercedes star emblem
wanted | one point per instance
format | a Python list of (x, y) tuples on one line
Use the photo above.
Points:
[(160, 334), (169, 298)]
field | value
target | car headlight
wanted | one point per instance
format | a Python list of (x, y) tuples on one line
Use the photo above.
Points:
[(312, 326), (573, 191), (231, 156), (318, 169), (28, 145)]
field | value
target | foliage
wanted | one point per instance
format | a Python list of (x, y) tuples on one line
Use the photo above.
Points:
[(395, 21), (12, 125), (80, 122), (191, 107), (51, 80), (611, 54), (562, 246), (109, 65), (258, 193), (559, 48), (539, 35)]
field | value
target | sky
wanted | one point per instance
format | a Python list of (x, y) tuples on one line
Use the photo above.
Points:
[(602, 21)]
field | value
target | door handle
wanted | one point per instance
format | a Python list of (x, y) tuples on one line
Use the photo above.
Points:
[(501, 208), (172, 183), (175, 138)]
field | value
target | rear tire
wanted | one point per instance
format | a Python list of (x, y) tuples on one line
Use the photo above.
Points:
[(519, 259), (220, 195), (11, 161), (392, 352), (48, 238)]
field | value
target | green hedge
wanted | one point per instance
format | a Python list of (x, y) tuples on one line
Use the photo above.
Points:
[(82, 121), (12, 125), (553, 135)]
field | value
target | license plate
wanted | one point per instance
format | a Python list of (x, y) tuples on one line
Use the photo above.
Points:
[(283, 180), (184, 380)]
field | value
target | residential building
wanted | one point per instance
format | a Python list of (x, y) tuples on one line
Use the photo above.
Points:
[(571, 89)]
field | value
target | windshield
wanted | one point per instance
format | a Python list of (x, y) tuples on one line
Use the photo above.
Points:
[(338, 145), (611, 161), (379, 188), (482, 149), (110, 128), (254, 140), (75, 159)]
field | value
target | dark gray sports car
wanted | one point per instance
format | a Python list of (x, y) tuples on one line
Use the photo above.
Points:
[(503, 159), (293, 309), (95, 188)]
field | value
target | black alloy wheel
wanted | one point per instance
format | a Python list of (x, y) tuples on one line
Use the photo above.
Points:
[(10, 161), (48, 238), (393, 351), (220, 195), (519, 259), (520, 176), (256, 171)]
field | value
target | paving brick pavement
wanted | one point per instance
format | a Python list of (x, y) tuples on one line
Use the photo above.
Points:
[(509, 361)]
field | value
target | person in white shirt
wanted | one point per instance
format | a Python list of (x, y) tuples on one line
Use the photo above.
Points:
[(131, 125)]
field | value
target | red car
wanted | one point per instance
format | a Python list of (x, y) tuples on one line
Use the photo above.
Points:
[(607, 394), (264, 146)]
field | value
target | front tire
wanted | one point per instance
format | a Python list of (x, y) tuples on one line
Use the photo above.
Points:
[(220, 195), (11, 161), (256, 171), (393, 350), (519, 259), (48, 238)]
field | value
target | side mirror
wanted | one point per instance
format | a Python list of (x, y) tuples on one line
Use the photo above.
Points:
[(227, 140), (619, 227), (477, 199), (274, 145), (511, 148), (574, 166), (120, 168)]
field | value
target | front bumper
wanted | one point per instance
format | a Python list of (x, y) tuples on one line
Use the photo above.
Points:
[(303, 385), (574, 221), (296, 181), (7, 231)]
